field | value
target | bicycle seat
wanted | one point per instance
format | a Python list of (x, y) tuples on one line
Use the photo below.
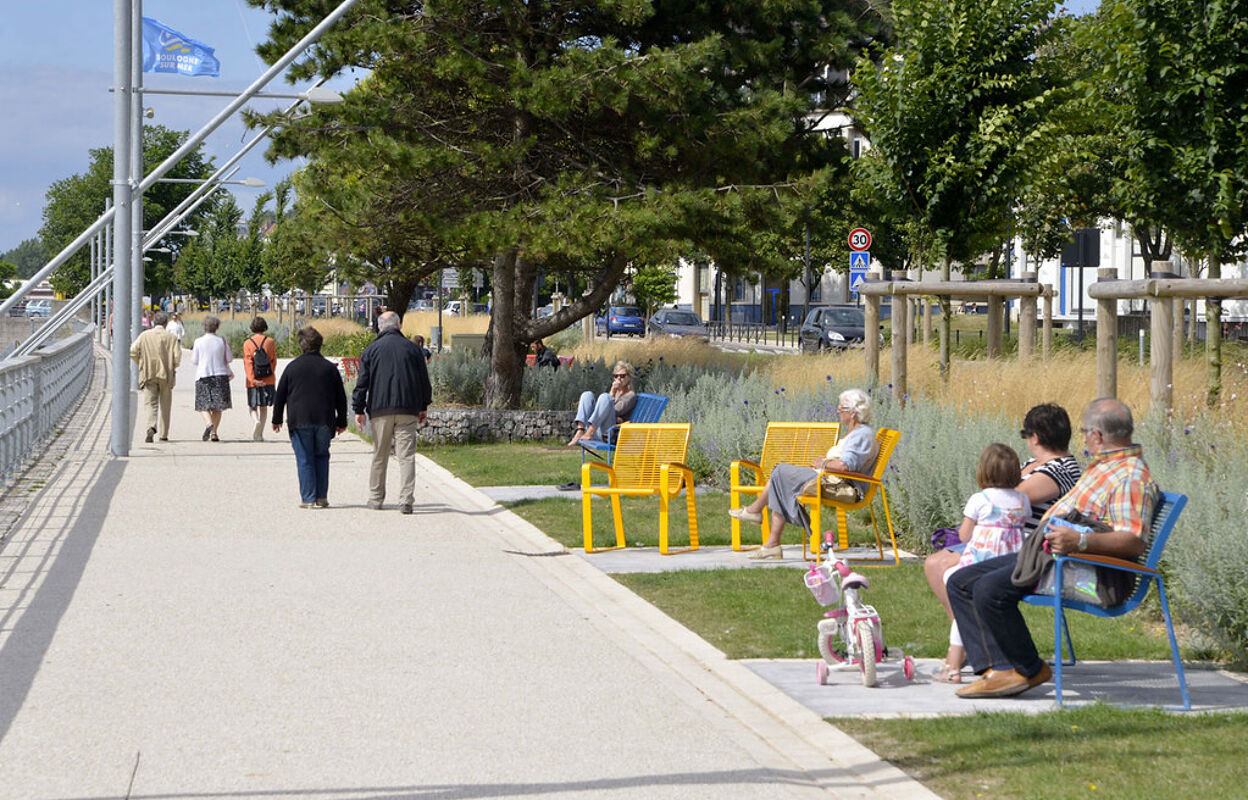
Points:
[(855, 580)]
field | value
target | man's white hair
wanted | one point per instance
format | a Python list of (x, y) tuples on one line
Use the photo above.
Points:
[(388, 321)]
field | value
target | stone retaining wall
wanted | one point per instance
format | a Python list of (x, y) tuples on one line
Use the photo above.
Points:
[(480, 425)]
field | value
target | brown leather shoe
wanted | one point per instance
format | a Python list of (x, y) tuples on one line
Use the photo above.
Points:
[(1004, 683)]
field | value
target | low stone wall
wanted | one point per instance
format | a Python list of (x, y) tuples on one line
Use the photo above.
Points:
[(482, 425)]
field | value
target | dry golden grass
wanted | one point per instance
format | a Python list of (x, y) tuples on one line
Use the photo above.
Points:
[(1010, 387), (423, 321), (639, 351)]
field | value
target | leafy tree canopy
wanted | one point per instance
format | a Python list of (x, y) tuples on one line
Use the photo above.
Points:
[(573, 136), (28, 257), (74, 203)]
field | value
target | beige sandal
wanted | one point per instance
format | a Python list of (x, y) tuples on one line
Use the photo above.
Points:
[(948, 673)]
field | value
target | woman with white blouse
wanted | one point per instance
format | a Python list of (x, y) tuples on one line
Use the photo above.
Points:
[(211, 357)]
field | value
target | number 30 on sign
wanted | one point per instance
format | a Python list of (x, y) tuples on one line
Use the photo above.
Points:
[(860, 239)]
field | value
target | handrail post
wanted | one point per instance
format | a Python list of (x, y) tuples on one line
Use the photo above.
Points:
[(1107, 339)]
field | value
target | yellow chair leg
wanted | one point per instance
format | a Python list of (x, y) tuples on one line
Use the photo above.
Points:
[(617, 516), (691, 507), (587, 521), (842, 529), (734, 524)]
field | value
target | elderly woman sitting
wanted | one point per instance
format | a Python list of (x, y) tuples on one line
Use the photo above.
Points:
[(855, 451)]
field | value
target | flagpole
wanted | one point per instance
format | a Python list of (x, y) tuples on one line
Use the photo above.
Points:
[(119, 439)]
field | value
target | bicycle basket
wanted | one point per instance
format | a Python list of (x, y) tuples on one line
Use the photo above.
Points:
[(821, 584)]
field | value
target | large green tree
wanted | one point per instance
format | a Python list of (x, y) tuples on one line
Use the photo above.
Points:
[(950, 111), (1179, 67), (75, 202), (564, 138), (28, 257)]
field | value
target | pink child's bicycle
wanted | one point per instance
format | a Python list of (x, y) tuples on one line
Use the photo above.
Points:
[(850, 635)]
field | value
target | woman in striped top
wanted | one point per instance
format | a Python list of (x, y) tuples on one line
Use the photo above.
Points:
[(1050, 473)]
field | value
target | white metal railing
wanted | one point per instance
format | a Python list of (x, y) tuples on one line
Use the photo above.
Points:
[(36, 392)]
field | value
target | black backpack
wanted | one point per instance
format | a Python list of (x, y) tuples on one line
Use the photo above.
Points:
[(261, 366)]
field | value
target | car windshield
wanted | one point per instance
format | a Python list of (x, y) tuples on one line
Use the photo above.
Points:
[(682, 318), (847, 317), (626, 311)]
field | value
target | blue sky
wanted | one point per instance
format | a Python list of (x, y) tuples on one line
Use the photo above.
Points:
[(57, 67), (55, 71)]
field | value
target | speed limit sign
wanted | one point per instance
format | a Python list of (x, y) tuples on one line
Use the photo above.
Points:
[(859, 239)]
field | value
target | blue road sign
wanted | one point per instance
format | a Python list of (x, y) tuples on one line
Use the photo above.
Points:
[(860, 260)]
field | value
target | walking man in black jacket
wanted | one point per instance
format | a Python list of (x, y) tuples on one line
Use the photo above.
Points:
[(392, 392)]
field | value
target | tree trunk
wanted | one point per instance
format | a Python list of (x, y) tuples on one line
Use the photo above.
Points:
[(1213, 338), (946, 322), (506, 378)]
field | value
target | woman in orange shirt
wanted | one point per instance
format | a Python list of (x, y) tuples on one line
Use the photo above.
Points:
[(260, 388)]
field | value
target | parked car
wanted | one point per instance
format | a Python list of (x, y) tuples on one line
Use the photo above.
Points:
[(622, 320), (677, 322), (453, 307), (39, 308), (18, 309), (832, 328), (422, 305)]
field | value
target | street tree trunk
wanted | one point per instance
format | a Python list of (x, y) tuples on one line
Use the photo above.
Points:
[(946, 322), (1213, 338)]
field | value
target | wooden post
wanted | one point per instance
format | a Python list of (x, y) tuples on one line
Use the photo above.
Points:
[(1107, 339), (912, 317), (871, 334), (1027, 324), (1176, 340), (901, 337), (995, 326), (1161, 390), (1046, 327), (927, 318)]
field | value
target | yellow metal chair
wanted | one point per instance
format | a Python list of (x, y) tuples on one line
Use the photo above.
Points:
[(887, 440), (785, 443), (648, 460)]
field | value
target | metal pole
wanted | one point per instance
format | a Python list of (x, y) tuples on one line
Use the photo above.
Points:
[(95, 271), (806, 297), (119, 440), (136, 174)]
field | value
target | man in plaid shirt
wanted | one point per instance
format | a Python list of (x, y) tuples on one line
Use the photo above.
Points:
[(1117, 490)]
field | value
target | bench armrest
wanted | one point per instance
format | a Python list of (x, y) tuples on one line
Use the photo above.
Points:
[(587, 473), (734, 472)]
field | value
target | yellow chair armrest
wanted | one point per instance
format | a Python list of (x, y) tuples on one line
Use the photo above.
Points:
[(589, 466), (686, 475), (734, 471)]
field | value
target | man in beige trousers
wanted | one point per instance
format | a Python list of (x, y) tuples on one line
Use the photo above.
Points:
[(158, 353)]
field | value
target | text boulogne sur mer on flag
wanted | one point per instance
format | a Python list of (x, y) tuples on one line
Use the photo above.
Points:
[(166, 50)]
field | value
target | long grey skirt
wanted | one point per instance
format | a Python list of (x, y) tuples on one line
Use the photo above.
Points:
[(782, 488)]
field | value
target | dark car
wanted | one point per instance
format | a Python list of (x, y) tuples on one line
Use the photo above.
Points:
[(677, 322), (832, 328), (622, 319)]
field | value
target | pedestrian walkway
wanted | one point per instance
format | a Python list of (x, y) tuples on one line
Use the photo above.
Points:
[(172, 625)]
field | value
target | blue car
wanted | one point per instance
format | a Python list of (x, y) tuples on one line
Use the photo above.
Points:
[(619, 320)]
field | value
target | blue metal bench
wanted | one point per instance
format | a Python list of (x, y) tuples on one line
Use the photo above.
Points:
[(1164, 519), (648, 409)]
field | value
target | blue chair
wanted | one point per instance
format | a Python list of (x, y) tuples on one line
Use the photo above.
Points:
[(648, 409), (1164, 519)]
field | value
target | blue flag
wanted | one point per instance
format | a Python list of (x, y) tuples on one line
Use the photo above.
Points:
[(166, 50)]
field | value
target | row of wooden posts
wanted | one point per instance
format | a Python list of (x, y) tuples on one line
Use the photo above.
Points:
[(1165, 293)]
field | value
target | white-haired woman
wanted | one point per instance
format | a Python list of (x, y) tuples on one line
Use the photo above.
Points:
[(855, 451)]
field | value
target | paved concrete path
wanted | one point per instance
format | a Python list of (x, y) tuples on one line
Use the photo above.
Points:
[(173, 626)]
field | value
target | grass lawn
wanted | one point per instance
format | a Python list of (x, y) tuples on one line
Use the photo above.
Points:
[(769, 613), (1099, 752), (510, 463)]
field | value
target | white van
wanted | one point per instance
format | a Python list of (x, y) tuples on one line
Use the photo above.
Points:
[(454, 307)]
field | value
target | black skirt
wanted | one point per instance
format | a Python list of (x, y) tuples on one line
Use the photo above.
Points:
[(260, 395), (212, 393)]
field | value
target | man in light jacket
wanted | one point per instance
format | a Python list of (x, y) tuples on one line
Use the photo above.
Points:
[(391, 393), (158, 353)]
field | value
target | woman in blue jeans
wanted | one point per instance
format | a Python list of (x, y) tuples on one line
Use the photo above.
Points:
[(310, 392), (595, 416)]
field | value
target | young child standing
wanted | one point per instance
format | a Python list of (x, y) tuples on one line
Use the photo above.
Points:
[(992, 525)]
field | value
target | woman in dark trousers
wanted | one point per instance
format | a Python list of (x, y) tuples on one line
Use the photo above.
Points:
[(312, 388)]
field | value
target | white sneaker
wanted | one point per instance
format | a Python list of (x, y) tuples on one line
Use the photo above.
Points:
[(745, 515), (257, 433)]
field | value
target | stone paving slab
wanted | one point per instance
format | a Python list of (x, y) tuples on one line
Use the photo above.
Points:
[(1137, 683)]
